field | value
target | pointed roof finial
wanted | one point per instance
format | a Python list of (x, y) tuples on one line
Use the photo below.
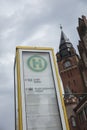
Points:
[(61, 27), (63, 39)]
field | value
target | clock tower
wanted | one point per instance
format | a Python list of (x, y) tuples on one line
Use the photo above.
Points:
[(68, 64)]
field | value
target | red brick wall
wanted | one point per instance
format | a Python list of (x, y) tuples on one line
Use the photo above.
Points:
[(71, 76)]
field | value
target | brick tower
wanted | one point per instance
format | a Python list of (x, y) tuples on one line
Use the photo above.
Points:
[(68, 64)]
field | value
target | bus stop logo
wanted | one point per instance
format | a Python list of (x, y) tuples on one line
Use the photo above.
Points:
[(37, 63)]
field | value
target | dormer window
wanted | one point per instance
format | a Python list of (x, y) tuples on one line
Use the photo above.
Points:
[(67, 64)]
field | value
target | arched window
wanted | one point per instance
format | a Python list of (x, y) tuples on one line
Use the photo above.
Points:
[(85, 110), (73, 121)]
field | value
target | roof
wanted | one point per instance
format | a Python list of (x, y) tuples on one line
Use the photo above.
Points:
[(63, 38)]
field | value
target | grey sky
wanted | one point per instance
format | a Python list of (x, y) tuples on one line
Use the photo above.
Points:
[(32, 23)]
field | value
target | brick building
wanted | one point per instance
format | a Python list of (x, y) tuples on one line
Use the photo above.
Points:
[(82, 47), (81, 108), (68, 64), (81, 114), (73, 84)]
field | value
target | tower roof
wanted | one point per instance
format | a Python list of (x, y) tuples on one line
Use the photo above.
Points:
[(64, 41), (66, 48), (63, 38)]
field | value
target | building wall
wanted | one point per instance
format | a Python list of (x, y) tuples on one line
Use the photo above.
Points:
[(74, 76), (81, 108), (81, 114), (82, 46), (71, 76)]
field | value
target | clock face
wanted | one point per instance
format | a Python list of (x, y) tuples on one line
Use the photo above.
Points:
[(67, 64)]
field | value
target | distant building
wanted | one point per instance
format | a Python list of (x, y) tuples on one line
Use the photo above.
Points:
[(68, 64)]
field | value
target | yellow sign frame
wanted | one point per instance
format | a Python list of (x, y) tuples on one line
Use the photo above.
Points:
[(20, 123)]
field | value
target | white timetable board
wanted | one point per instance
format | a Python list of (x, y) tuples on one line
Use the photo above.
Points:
[(40, 105)]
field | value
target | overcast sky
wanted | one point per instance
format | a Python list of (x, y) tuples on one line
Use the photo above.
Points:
[(31, 23)]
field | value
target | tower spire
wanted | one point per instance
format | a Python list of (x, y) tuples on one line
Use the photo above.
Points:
[(61, 27), (63, 38), (65, 48)]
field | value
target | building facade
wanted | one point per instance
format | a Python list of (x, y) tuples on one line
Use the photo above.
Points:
[(68, 64), (81, 114), (81, 108), (73, 83), (82, 47)]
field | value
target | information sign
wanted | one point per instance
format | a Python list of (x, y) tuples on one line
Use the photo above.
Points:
[(40, 103)]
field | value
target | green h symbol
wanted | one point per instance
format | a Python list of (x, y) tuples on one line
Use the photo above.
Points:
[(37, 63)]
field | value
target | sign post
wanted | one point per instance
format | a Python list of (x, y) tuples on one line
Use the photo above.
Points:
[(39, 102)]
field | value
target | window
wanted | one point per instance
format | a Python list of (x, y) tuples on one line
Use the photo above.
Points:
[(70, 72), (85, 110), (81, 117), (73, 121), (74, 82), (69, 83)]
